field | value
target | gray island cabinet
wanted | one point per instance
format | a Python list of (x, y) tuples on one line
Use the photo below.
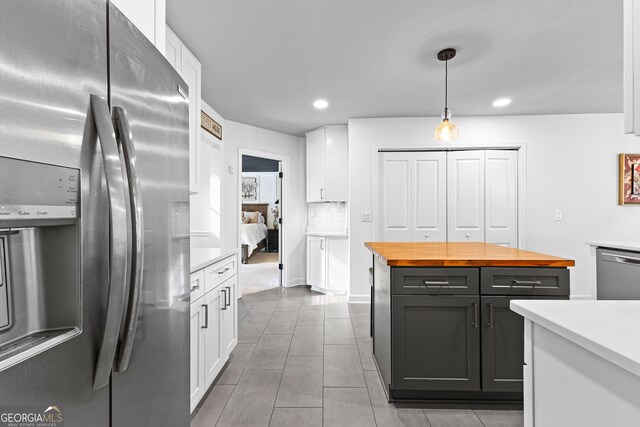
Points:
[(441, 324)]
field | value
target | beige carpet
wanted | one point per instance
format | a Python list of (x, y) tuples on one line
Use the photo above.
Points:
[(260, 274)]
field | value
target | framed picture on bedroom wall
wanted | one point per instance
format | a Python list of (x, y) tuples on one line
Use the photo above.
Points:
[(249, 189), (629, 185)]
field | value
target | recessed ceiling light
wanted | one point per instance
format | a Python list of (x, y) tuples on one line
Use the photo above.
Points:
[(501, 102), (320, 104)]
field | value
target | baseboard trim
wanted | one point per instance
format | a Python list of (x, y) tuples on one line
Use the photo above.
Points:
[(360, 299), (296, 282), (327, 291), (582, 297)]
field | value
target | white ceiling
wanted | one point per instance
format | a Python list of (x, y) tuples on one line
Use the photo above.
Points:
[(265, 62)]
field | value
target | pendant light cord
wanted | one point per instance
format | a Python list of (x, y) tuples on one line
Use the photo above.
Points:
[(446, 85)]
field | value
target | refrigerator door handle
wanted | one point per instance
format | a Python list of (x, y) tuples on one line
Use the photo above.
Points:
[(137, 259), (118, 241)]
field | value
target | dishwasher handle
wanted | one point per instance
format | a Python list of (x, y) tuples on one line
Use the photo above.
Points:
[(622, 259)]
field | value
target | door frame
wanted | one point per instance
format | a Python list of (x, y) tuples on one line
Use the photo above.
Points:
[(284, 200)]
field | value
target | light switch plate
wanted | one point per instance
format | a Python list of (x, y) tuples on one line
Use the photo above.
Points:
[(365, 216)]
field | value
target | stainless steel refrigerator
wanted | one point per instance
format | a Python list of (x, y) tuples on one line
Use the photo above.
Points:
[(94, 219)]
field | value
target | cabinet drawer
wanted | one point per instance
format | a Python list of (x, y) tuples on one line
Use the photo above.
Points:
[(435, 281), (525, 281), (197, 285), (219, 272)]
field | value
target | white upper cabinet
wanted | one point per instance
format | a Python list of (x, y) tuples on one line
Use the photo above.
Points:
[(190, 69), (328, 165), (465, 194), (501, 197), (149, 16), (429, 196)]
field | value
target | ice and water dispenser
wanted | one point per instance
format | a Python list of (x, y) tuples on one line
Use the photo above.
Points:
[(40, 292)]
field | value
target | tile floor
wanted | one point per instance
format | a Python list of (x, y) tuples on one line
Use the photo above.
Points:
[(304, 359)]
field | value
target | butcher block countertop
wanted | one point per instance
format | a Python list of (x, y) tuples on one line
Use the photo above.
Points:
[(461, 254)]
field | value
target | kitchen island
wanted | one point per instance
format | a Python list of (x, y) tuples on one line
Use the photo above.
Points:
[(441, 323), (582, 362)]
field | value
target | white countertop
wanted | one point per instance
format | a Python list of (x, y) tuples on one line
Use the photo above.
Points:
[(203, 257), (627, 245), (610, 329), (326, 234)]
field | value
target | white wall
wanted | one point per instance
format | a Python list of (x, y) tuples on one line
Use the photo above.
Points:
[(571, 164), (206, 204), (149, 16), (240, 136)]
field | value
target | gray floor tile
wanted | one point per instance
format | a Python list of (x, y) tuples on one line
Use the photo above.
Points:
[(282, 323), (361, 326), (360, 308), (301, 291), (289, 303), (212, 407), (237, 362), (365, 347), (342, 367), (500, 418), (307, 341), (314, 299), (301, 385), (270, 353), (389, 414), (312, 315), (347, 407), (296, 417), (338, 331), (336, 308), (252, 400), (266, 305), (273, 294), (452, 418)]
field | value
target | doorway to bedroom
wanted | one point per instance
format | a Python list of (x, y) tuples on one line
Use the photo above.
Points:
[(261, 198)]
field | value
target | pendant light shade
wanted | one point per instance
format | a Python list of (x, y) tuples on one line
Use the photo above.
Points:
[(447, 130)]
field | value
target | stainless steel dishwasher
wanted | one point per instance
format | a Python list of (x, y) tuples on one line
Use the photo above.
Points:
[(618, 274)]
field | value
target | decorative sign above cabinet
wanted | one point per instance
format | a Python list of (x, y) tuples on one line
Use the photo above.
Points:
[(210, 125), (629, 186)]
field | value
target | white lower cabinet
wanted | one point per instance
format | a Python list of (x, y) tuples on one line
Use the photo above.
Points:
[(327, 264), (214, 327)]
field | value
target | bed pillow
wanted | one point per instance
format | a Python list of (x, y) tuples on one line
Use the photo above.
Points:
[(244, 218), (253, 217), (260, 218)]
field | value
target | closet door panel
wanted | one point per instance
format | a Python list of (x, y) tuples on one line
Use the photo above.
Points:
[(429, 196), (396, 197), (501, 197), (465, 196)]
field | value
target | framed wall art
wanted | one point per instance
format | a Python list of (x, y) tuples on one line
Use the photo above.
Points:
[(629, 186)]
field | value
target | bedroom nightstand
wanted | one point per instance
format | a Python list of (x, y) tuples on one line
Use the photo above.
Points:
[(273, 241)]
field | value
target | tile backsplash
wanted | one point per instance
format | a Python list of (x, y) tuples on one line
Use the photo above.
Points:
[(329, 217)]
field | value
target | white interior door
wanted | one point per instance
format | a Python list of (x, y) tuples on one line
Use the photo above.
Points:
[(396, 197), (501, 197), (316, 262), (429, 196), (465, 196)]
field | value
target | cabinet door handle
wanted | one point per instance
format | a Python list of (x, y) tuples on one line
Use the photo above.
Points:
[(322, 245), (526, 282), (475, 315), (227, 294), (490, 322), (322, 194), (439, 284), (225, 299), (193, 288), (206, 316)]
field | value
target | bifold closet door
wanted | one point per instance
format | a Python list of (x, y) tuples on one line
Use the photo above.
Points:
[(465, 196), (501, 197), (429, 196), (396, 197)]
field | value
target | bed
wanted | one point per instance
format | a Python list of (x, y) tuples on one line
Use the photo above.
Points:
[(253, 236)]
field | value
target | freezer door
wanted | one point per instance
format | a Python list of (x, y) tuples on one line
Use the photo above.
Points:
[(53, 56), (152, 387)]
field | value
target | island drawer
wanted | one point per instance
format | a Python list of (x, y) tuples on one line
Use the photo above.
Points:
[(524, 281), (435, 281)]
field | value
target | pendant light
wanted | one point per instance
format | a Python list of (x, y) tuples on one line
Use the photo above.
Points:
[(447, 130)]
